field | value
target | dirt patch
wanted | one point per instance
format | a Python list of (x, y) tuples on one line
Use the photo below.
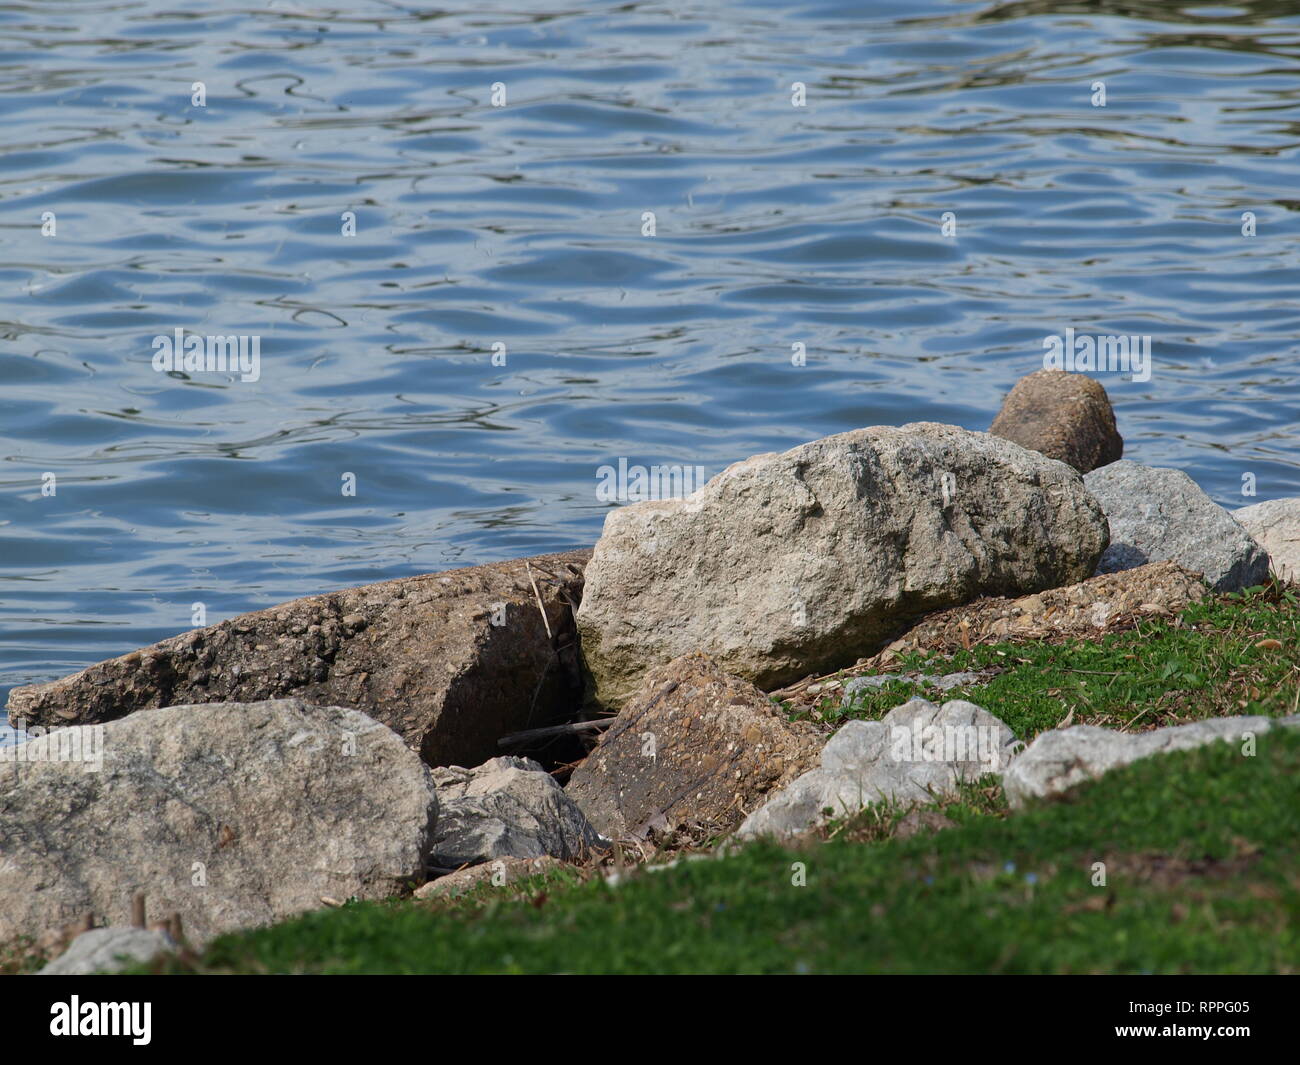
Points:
[(1169, 871)]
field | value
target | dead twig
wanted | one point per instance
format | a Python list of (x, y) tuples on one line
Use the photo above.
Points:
[(545, 620), (528, 736)]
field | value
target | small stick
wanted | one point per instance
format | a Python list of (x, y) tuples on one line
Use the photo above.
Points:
[(520, 739), (545, 620), (1125, 728), (137, 909)]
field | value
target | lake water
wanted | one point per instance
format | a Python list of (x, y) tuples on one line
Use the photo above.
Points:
[(521, 229)]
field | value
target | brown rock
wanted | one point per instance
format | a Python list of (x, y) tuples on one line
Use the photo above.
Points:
[(421, 654), (693, 745), (1065, 416), (1113, 602), (1109, 603)]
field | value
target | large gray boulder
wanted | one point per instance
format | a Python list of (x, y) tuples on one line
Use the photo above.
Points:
[(1156, 513), (800, 562), (1061, 759), (449, 661), (506, 808), (1275, 526), (233, 816), (918, 753), (110, 950)]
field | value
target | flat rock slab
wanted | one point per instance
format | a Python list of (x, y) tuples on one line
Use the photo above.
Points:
[(110, 950), (944, 682), (1065, 416), (918, 753), (692, 746), (1061, 759), (794, 563), (234, 816), (450, 661), (1109, 603), (506, 808), (1156, 513), (1275, 526)]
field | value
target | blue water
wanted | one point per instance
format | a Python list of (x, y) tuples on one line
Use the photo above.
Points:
[(522, 225)]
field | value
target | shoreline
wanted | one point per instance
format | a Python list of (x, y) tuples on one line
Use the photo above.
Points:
[(769, 614)]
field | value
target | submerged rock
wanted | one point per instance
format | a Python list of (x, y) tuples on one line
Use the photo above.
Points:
[(232, 816), (1061, 759), (1065, 416), (692, 746), (800, 562), (918, 753), (1275, 526), (1157, 513), (450, 661), (506, 808)]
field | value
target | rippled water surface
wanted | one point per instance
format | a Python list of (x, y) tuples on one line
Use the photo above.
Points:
[(522, 225)]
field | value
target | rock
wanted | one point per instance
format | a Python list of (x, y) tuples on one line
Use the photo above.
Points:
[(110, 950), (918, 753), (1157, 513), (498, 872), (234, 816), (944, 683), (421, 655), (1275, 526), (693, 745), (1065, 416), (1112, 602), (506, 808), (1060, 759), (793, 563)]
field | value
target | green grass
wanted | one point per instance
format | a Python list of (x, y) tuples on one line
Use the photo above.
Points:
[(1202, 850), (20, 956), (1166, 672)]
